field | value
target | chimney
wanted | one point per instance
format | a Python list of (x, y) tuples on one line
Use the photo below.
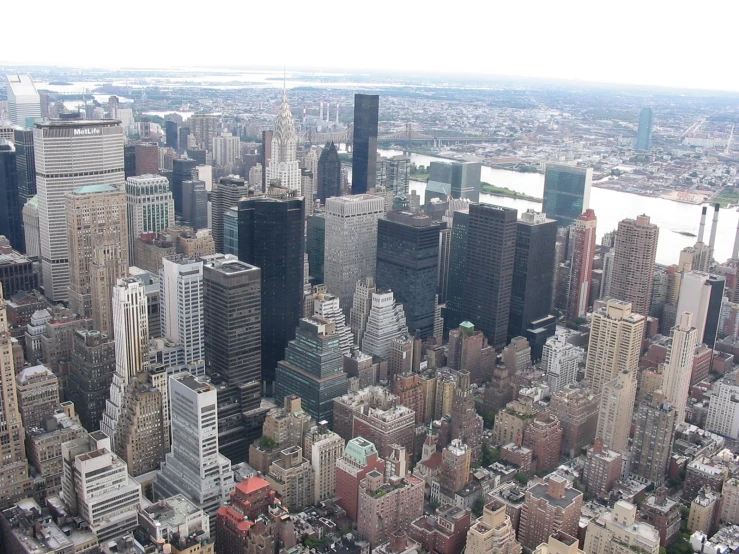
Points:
[(714, 228), (328, 111), (320, 113), (702, 227), (337, 112)]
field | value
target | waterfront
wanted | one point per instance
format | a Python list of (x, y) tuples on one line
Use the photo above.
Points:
[(610, 207)]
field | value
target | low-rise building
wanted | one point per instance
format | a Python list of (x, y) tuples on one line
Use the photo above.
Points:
[(444, 532), (618, 532)]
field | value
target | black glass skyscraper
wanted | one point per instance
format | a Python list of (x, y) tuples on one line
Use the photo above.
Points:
[(364, 158), (181, 171), (533, 271), (407, 264), (195, 204), (316, 245), (272, 237), (25, 164), (566, 192), (491, 247), (11, 223), (129, 161), (170, 130), (717, 284), (329, 174), (453, 315)]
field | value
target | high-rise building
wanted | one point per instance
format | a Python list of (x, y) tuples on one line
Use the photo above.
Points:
[(283, 165), (351, 242), (25, 164), (493, 532), (204, 127), (195, 204), (577, 411), (194, 467), (24, 102), (646, 124), (181, 171), (616, 408), (566, 192), (679, 364), (360, 457), (491, 247), (97, 229), (147, 158), (226, 150), (226, 194), (70, 154), (31, 230), (327, 306), (272, 238), (457, 270), (291, 476), (633, 262), (619, 530), (466, 423), (150, 207), (651, 446), (455, 179), (407, 264), (313, 369), (701, 295), (385, 322), (324, 448), (329, 179), (550, 507), (533, 271), (544, 437), (181, 300), (723, 411), (560, 360), (582, 237), (170, 130), (11, 221), (364, 143), (38, 394), (91, 372), (615, 343)]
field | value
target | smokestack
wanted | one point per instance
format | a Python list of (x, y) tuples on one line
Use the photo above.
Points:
[(320, 113), (702, 227), (337, 112), (735, 252), (714, 228), (328, 111), (305, 114)]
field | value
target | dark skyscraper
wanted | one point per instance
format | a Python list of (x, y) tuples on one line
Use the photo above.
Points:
[(266, 153), (25, 164), (170, 129), (129, 161), (195, 204), (316, 246), (271, 237), (181, 171), (566, 192), (646, 124), (491, 247), (11, 222), (457, 264), (364, 162), (717, 284), (329, 174), (407, 264), (226, 194), (533, 271), (455, 179)]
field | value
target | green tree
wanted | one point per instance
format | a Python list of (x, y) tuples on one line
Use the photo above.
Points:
[(478, 506), (522, 478)]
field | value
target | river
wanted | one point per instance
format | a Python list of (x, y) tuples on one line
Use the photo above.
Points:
[(611, 207)]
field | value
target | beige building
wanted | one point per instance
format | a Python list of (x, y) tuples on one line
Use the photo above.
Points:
[(616, 408), (492, 533), (559, 543), (704, 511), (615, 343), (511, 422), (325, 448), (730, 503), (619, 532), (679, 363), (291, 476), (38, 394)]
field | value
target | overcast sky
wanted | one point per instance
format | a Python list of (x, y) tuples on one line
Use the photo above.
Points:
[(677, 43)]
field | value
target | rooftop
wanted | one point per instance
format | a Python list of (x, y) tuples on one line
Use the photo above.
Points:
[(93, 189)]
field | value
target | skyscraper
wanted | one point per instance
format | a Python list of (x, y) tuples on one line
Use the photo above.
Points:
[(181, 171), (25, 164), (614, 414), (204, 127), (147, 158), (170, 129), (226, 150), (646, 124), (385, 322), (91, 371), (364, 146), (226, 194), (70, 154), (11, 221), (407, 264), (195, 204), (150, 207), (633, 262), (651, 448), (533, 271), (582, 236), (329, 174), (96, 222), (491, 247), (679, 364), (701, 294), (283, 165), (454, 179), (272, 238), (24, 102), (566, 192), (614, 345), (351, 242), (457, 270)]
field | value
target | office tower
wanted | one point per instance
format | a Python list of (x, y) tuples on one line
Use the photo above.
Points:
[(615, 343), (226, 150), (550, 507), (616, 408), (129, 161), (493, 532), (361, 306), (407, 264), (679, 363), (91, 372), (170, 130), (394, 174), (97, 487), (324, 448), (633, 262), (204, 127), (130, 321), (11, 222), (313, 369), (582, 237), (17, 272), (195, 204), (181, 171), (97, 150), (147, 159), (566, 192), (385, 322), (282, 164), (14, 480), (618, 530), (150, 207), (491, 247), (96, 222), (25, 164), (181, 299), (651, 446), (38, 394), (327, 306), (533, 271), (226, 194), (350, 242), (457, 270), (701, 294), (364, 143), (194, 467), (360, 457), (646, 124), (455, 180), (329, 174), (560, 361), (272, 238), (24, 102)]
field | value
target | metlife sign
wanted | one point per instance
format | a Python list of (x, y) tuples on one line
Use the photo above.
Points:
[(88, 131)]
